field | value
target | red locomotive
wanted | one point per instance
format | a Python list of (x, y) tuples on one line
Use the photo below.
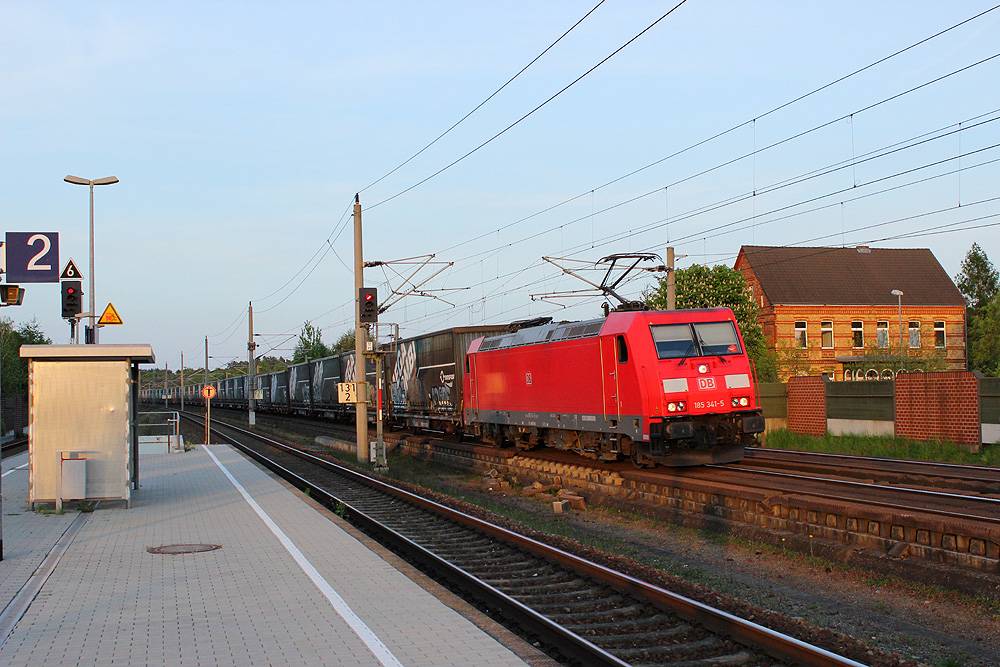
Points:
[(670, 387)]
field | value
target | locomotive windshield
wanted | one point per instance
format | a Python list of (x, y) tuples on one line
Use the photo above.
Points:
[(700, 339)]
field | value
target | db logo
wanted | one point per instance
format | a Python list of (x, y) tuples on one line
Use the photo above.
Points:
[(706, 383)]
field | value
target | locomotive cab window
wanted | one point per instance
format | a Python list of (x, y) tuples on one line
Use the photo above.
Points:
[(702, 339), (717, 338), (673, 341), (622, 349)]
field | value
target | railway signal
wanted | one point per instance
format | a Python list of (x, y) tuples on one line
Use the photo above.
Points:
[(11, 295), (71, 298), (368, 298)]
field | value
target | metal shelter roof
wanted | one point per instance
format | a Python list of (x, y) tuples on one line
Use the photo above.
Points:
[(141, 353)]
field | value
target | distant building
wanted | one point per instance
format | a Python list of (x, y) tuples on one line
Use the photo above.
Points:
[(832, 311)]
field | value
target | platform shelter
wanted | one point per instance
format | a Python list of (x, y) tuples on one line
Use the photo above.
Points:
[(82, 436)]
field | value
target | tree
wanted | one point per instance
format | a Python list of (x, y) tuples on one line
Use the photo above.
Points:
[(344, 344), (267, 365), (984, 354), (698, 286), (310, 344), (978, 281), (14, 369)]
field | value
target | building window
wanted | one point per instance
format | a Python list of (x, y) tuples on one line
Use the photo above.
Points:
[(800, 335), (882, 333), (939, 334), (858, 332), (826, 334), (914, 334)]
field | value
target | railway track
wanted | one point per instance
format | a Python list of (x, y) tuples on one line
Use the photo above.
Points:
[(584, 612), (963, 479), (916, 528), (13, 447), (920, 515)]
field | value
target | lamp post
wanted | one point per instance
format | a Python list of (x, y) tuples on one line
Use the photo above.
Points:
[(899, 295), (76, 180)]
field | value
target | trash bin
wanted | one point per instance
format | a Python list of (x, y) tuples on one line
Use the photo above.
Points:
[(74, 476)]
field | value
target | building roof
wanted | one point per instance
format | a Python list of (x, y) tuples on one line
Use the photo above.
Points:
[(850, 276)]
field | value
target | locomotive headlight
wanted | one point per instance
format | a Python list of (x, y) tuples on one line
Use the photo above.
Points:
[(671, 407), (702, 368), (677, 406), (681, 406), (744, 402)]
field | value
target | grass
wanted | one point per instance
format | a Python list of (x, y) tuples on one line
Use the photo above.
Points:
[(884, 446), (949, 662), (46, 511)]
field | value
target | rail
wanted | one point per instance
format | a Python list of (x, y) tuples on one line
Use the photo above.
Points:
[(574, 647)]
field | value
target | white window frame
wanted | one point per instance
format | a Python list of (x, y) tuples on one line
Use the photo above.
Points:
[(914, 334), (939, 327), (801, 342), (826, 327), (857, 327), (882, 333)]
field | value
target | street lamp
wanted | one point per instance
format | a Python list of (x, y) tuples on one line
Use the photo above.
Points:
[(899, 294), (76, 180)]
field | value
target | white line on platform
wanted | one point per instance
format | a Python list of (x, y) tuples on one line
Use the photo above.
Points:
[(23, 465), (371, 640)]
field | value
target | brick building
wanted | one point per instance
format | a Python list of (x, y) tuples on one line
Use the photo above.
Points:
[(838, 311)]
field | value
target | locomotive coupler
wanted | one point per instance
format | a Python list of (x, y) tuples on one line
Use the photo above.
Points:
[(753, 424)]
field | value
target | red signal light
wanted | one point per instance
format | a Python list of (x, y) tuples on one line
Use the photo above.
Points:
[(368, 304)]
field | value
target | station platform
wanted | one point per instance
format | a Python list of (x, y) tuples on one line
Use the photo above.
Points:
[(290, 583)]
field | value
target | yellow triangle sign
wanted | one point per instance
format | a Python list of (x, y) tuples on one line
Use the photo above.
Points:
[(110, 316)]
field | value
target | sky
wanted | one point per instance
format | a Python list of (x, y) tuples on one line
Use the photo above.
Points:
[(241, 133)]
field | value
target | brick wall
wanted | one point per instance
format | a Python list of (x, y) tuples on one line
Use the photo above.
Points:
[(939, 406), (807, 405), (815, 360)]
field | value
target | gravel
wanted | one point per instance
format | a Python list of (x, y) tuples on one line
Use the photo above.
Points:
[(864, 615)]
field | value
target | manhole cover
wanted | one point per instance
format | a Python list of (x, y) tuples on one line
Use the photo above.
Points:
[(183, 548)]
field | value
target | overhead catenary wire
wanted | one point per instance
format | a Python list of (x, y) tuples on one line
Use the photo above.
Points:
[(338, 228), (586, 246), (773, 110), (742, 157), (700, 234), (530, 113), (732, 129), (481, 104), (762, 115)]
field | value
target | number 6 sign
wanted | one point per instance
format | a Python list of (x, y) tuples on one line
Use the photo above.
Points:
[(32, 257)]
